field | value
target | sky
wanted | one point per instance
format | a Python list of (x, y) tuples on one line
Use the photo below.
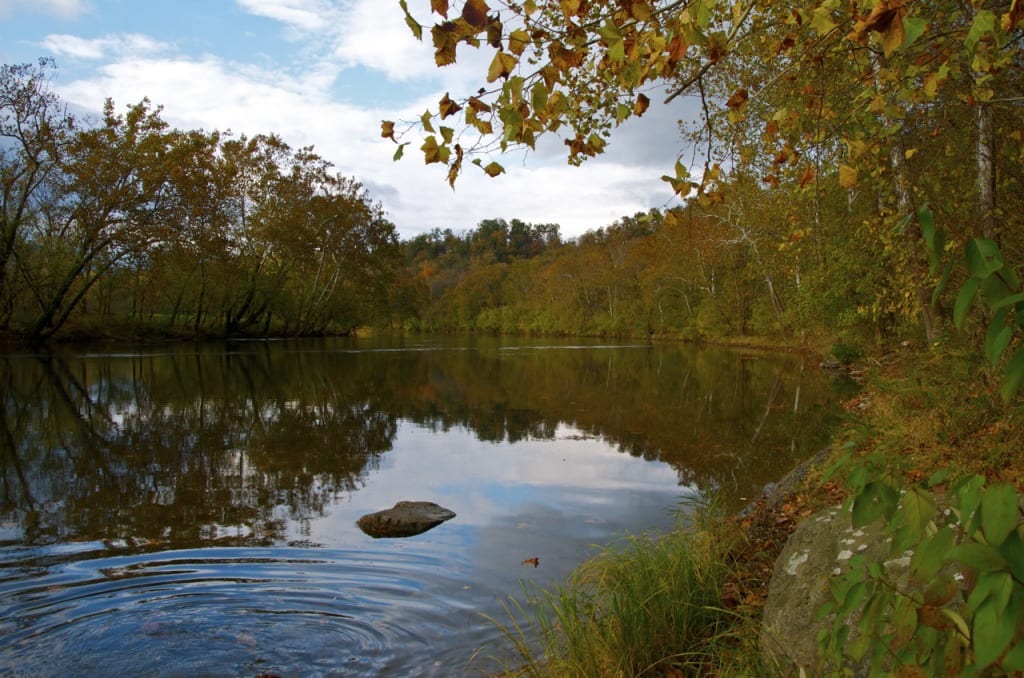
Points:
[(325, 73)]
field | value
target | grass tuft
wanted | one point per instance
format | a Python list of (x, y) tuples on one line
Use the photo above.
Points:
[(650, 606)]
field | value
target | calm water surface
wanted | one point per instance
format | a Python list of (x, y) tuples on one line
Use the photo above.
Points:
[(184, 511)]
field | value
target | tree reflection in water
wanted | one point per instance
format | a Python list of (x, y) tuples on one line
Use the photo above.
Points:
[(227, 444)]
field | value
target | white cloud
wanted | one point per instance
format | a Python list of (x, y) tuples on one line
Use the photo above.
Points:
[(297, 102), (105, 47), (60, 9), (210, 93), (305, 15)]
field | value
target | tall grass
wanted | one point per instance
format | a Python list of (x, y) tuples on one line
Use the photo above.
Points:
[(648, 607)]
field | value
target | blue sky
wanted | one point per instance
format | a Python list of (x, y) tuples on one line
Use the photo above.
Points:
[(325, 73)]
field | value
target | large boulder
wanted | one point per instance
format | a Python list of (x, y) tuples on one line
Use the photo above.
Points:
[(820, 548), (404, 519)]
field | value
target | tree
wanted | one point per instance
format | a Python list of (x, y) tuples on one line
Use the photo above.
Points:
[(843, 93), (34, 132)]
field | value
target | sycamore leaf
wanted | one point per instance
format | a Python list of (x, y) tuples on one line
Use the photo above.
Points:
[(847, 176), (494, 169), (431, 151), (914, 26), (447, 133), (413, 25), (399, 152), (1013, 17), (518, 40), (641, 105), (501, 66), (425, 121), (446, 38), (475, 13), (478, 106), (440, 6), (808, 176), (738, 99), (448, 107), (894, 37), (387, 130), (821, 20)]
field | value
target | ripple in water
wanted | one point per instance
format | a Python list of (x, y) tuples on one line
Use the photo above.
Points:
[(235, 611)]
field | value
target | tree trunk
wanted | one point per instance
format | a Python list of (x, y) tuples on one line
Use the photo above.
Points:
[(986, 173)]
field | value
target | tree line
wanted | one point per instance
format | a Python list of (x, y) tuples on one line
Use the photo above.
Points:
[(846, 157), (128, 221)]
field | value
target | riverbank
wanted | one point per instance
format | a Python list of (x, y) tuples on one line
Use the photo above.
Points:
[(920, 414)]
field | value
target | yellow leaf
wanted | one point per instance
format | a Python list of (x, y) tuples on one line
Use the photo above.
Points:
[(431, 151), (518, 41), (910, 153), (847, 176), (892, 39), (494, 169), (856, 148), (448, 107), (501, 66), (641, 105), (387, 129)]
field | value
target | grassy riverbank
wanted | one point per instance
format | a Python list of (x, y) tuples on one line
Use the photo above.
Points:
[(690, 603)]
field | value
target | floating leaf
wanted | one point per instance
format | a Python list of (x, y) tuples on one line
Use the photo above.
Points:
[(531, 561)]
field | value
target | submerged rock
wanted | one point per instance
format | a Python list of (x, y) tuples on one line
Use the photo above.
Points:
[(404, 519)]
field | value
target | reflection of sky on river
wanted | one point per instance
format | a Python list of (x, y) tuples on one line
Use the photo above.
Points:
[(488, 483)]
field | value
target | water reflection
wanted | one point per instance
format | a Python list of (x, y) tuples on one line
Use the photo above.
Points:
[(216, 489)]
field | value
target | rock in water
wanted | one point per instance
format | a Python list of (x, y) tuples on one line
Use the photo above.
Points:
[(404, 519)]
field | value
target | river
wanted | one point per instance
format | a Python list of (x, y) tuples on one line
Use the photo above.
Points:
[(190, 510)]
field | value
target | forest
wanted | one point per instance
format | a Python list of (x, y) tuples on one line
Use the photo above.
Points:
[(125, 227)]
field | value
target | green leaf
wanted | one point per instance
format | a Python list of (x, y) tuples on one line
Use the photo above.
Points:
[(1008, 301), (998, 512), (964, 301), (1013, 662), (983, 257), (984, 22), (414, 26), (1013, 551), (928, 558), (1013, 376), (992, 633), (400, 151), (914, 27), (821, 20), (981, 557), (876, 500), (916, 510), (998, 337), (995, 586), (947, 272)]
